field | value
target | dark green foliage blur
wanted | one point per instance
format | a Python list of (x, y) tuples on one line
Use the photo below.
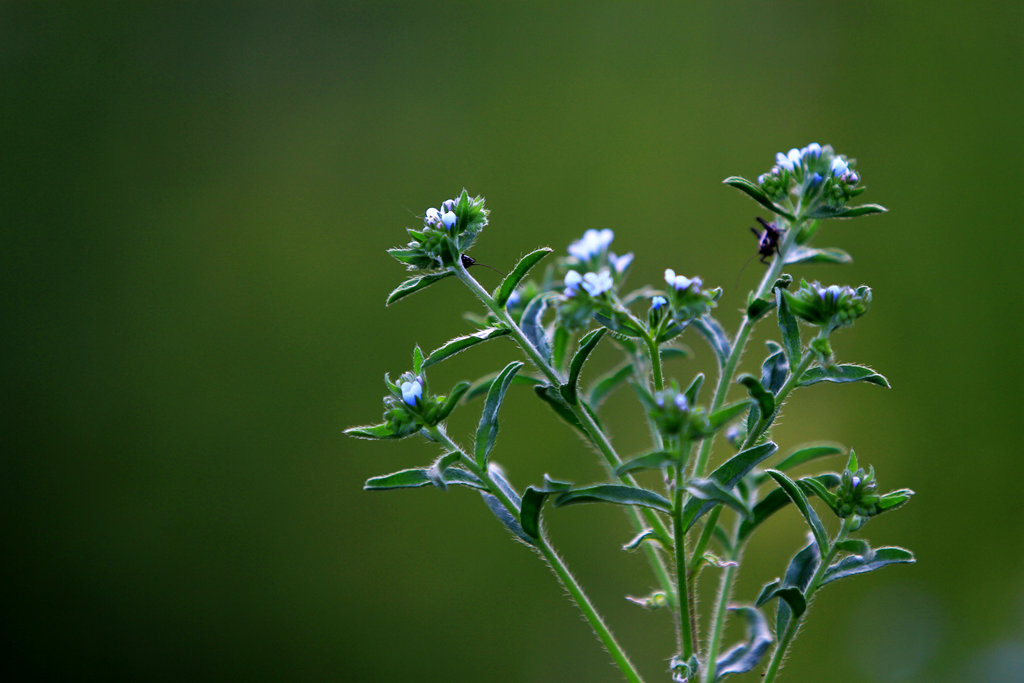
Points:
[(196, 202)]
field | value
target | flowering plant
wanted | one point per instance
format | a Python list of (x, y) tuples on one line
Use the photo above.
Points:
[(705, 512)]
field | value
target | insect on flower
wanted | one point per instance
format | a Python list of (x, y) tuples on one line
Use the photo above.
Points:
[(767, 241)]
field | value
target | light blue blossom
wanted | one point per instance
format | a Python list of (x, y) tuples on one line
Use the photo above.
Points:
[(657, 302), (788, 161), (839, 166), (681, 282), (433, 217), (620, 263), (814, 181), (513, 299), (412, 391), (448, 218), (449, 205), (811, 153), (591, 244), (597, 283), (572, 283), (681, 402)]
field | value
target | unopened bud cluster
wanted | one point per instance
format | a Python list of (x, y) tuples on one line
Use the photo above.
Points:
[(810, 176), (446, 234), (686, 298), (829, 307)]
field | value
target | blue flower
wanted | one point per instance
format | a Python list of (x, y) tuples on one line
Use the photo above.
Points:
[(513, 299), (682, 403), (620, 263), (839, 166), (811, 153), (597, 283), (657, 302), (448, 218), (433, 217), (814, 181), (412, 391), (591, 244), (449, 205), (680, 282), (572, 283)]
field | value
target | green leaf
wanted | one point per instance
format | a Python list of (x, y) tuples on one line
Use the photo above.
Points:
[(744, 656), (796, 495), (505, 517), (720, 418), (533, 501), (648, 461), (482, 385), (436, 471), (757, 194), (417, 477), (846, 212), (811, 486), (459, 344), (764, 398), (715, 335), (668, 353), (608, 383), (775, 369), (453, 399), (417, 360), (614, 493), (790, 330), (808, 453), (842, 374), (381, 431), (415, 284), (487, 432), (727, 475), (892, 500), (620, 324), (711, 491), (532, 326), (553, 398), (857, 546), (559, 346), (775, 501), (512, 280), (587, 345), (693, 390), (811, 255), (860, 564), (649, 535)]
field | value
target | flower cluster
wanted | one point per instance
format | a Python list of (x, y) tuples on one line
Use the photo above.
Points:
[(828, 307), (593, 272), (856, 494), (446, 234), (591, 251), (685, 296), (410, 406), (812, 175)]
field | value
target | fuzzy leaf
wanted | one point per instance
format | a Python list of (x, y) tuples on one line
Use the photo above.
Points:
[(587, 345), (846, 212), (799, 499), (715, 335), (608, 383), (532, 326), (512, 280), (727, 475), (553, 398), (775, 501), (775, 369), (505, 517), (757, 194), (459, 344), (482, 385), (765, 399), (453, 399), (790, 330), (811, 255), (860, 564), (620, 324), (614, 493), (381, 431), (721, 418), (648, 461), (711, 491), (808, 453), (415, 284), (745, 656), (414, 478), (487, 432), (842, 374)]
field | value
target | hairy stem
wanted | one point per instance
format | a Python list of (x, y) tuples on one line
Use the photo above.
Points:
[(684, 615)]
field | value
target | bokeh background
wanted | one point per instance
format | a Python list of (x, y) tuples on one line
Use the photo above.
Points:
[(196, 199)]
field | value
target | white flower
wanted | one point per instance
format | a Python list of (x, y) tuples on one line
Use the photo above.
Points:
[(591, 244), (620, 263), (680, 282), (597, 283)]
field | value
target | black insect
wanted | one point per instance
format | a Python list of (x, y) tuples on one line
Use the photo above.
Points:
[(468, 261), (767, 241)]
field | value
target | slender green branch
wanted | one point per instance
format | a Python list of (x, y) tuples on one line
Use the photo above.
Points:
[(559, 567), (655, 355), (594, 432), (705, 537), (684, 615), (719, 613)]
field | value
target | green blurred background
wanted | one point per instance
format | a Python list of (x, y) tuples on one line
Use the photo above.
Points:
[(196, 201)]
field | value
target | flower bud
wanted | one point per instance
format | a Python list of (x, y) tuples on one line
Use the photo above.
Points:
[(829, 307)]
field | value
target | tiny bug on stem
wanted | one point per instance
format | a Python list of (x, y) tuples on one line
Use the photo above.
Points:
[(767, 241)]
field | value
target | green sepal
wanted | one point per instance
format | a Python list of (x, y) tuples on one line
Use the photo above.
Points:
[(693, 391), (532, 326), (727, 475), (417, 360), (614, 493), (621, 324), (799, 254), (381, 431), (757, 194), (842, 374), (775, 501), (789, 328), (744, 656), (587, 344), (512, 280), (487, 431), (799, 499), (454, 395), (649, 461), (711, 491), (715, 335), (860, 564), (846, 211), (417, 477), (459, 344), (764, 398), (609, 382), (415, 284), (553, 398)]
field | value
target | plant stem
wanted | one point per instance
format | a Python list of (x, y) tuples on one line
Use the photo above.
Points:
[(559, 567), (652, 350), (721, 605), (594, 432), (684, 615)]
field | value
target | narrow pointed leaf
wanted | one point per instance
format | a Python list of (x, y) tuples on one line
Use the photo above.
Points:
[(765, 399), (487, 431), (711, 491), (799, 499), (794, 585), (693, 390), (721, 418), (800, 254), (559, 346), (532, 326), (483, 385), (417, 477), (846, 212), (505, 517), (553, 398), (790, 330), (775, 369), (608, 383), (587, 345), (459, 344), (454, 395), (436, 470), (715, 335), (775, 501), (727, 475), (512, 280), (843, 373), (859, 564), (649, 535), (614, 493), (620, 324), (649, 461), (415, 284), (757, 194), (745, 656), (381, 431), (808, 453), (529, 511)]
